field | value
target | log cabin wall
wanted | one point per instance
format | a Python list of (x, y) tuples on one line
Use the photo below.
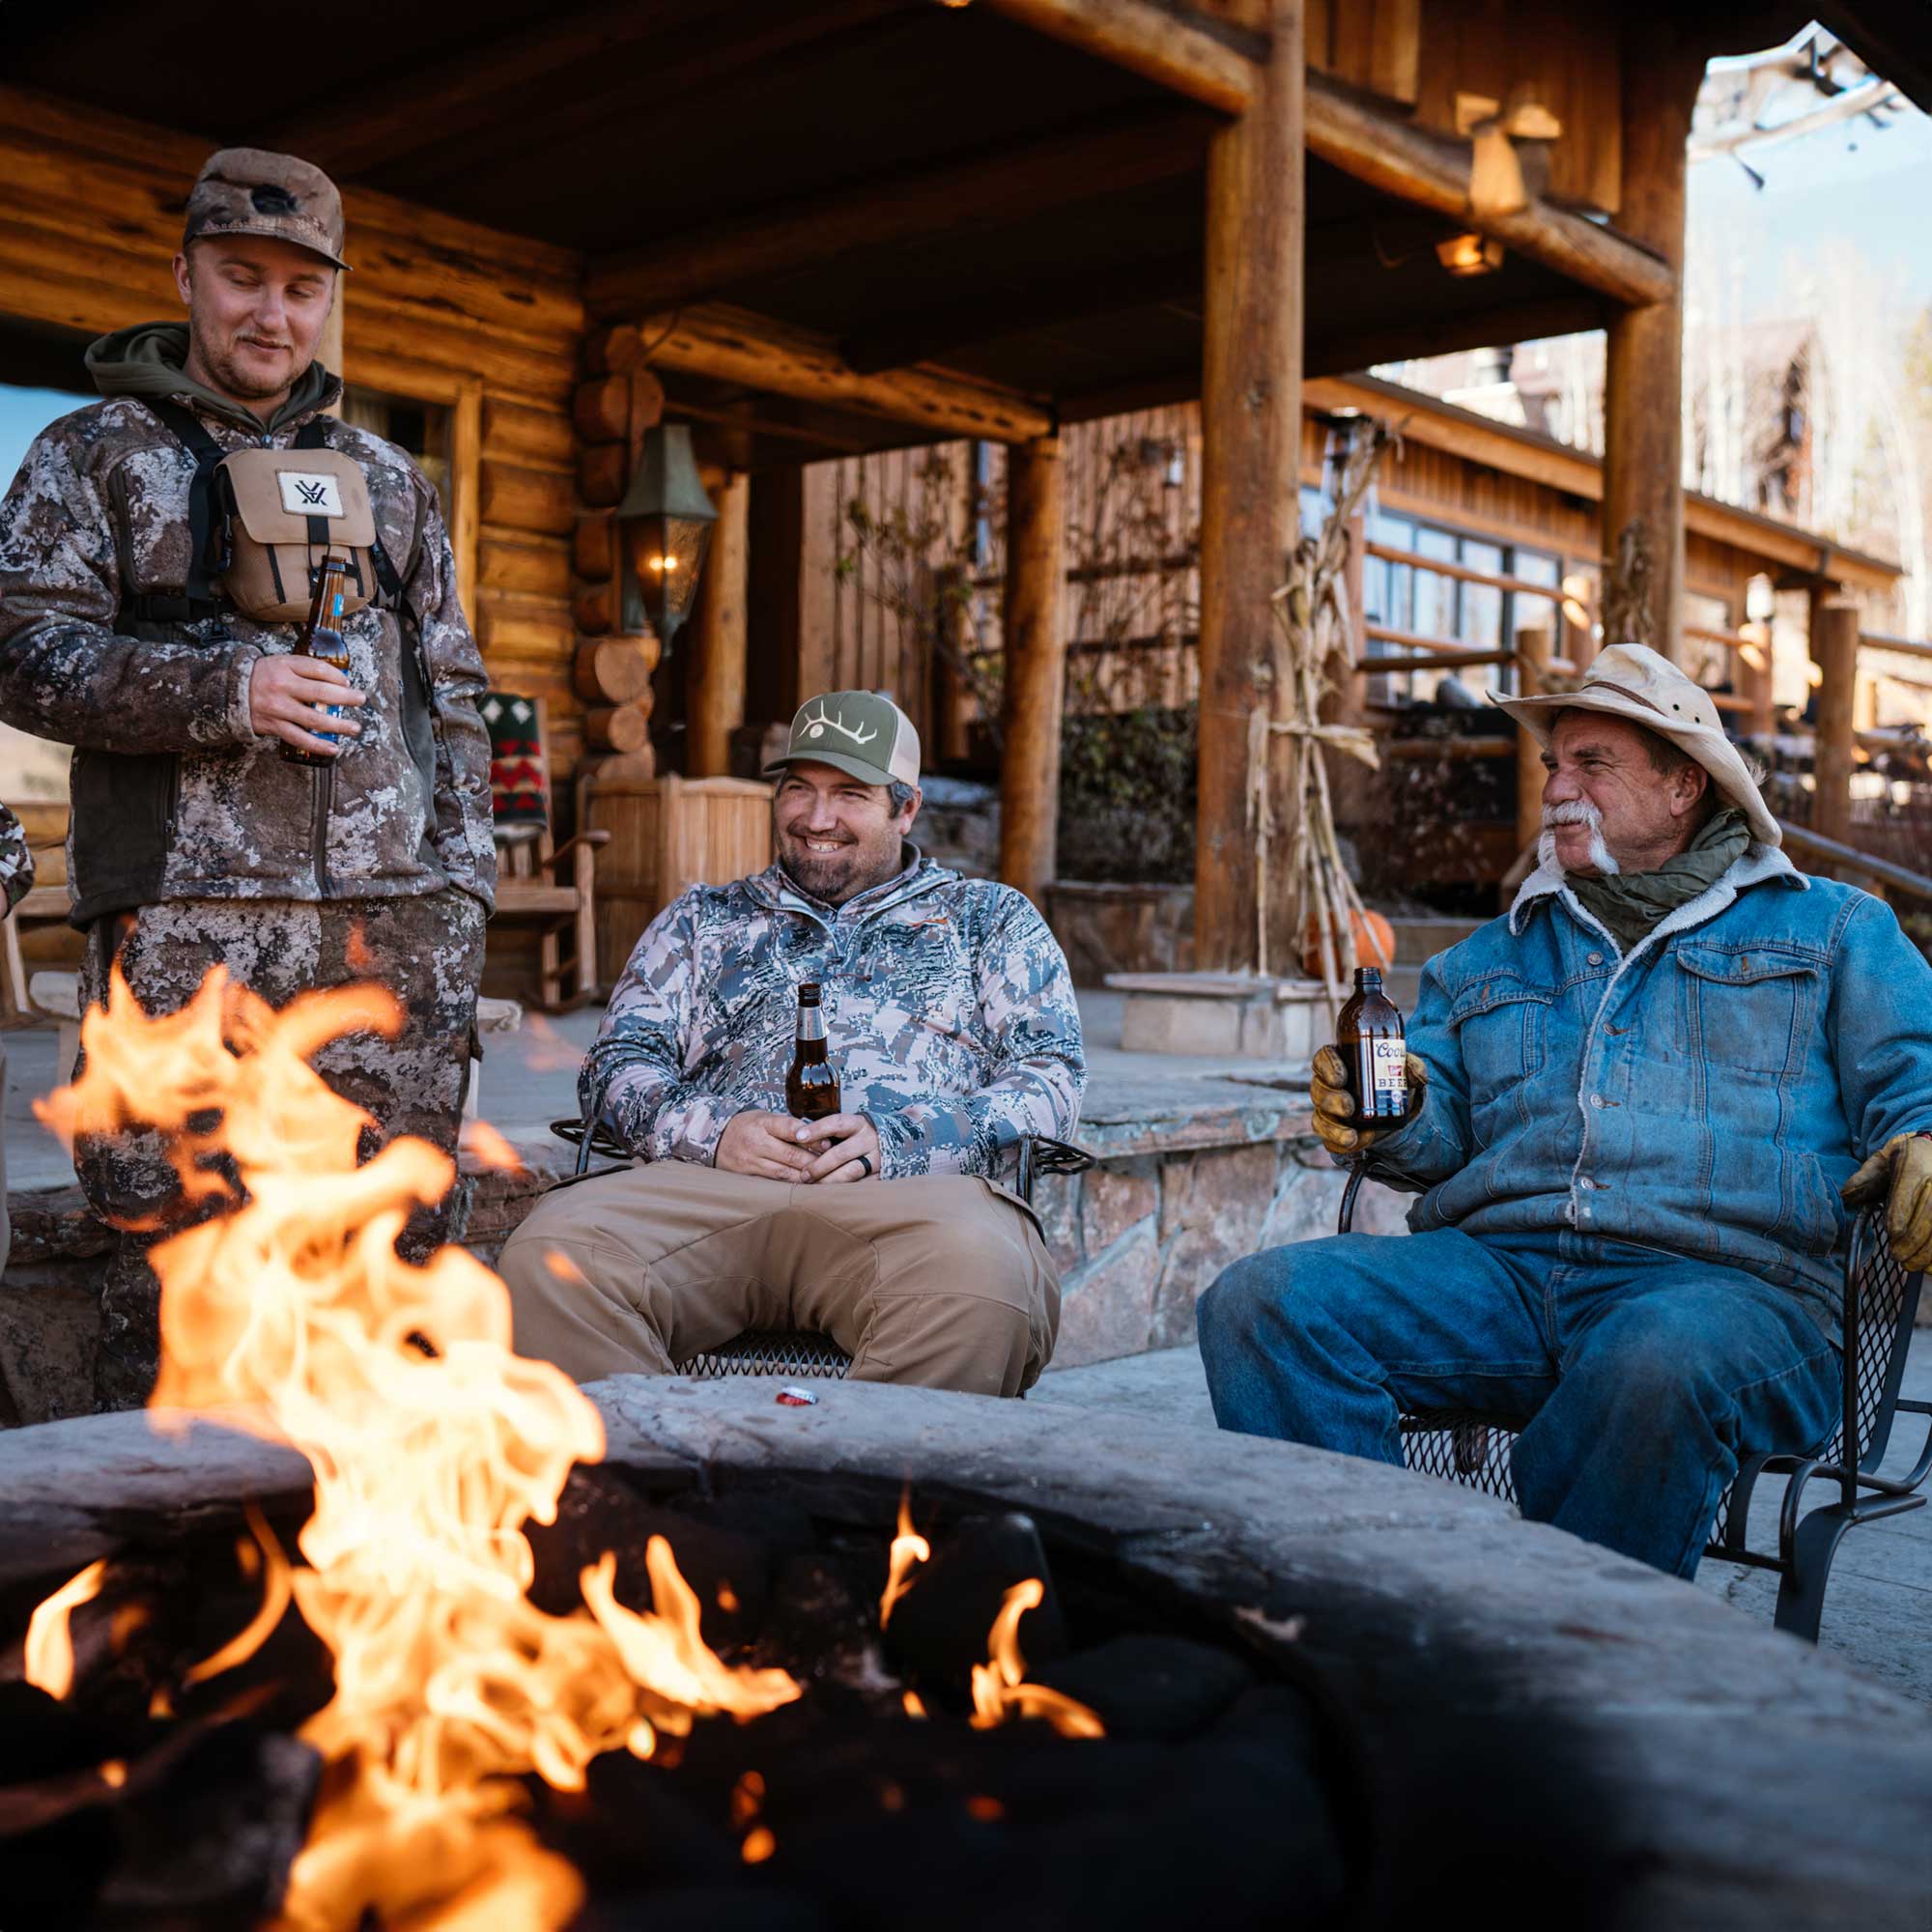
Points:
[(484, 326)]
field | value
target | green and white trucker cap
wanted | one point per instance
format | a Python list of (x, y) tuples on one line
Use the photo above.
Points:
[(863, 732)]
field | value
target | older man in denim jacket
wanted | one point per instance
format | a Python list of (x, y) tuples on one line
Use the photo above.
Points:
[(1647, 1096)]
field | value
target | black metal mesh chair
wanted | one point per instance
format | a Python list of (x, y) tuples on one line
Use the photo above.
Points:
[(1881, 1303), (797, 1355)]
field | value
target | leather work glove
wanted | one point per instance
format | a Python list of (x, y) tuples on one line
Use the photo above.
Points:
[(1899, 1172), (1335, 1104)]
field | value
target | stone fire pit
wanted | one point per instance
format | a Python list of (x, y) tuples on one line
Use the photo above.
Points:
[(1572, 1727)]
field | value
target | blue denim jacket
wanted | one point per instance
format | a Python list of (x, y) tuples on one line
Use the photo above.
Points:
[(1705, 1093)]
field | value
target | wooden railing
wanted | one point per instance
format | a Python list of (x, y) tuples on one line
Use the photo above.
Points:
[(1843, 859)]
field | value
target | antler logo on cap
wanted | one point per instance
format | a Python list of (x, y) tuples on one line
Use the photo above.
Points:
[(816, 727)]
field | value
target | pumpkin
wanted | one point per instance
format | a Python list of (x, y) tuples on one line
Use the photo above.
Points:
[(1375, 943)]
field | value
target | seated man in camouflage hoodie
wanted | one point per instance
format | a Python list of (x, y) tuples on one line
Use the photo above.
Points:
[(193, 841), (952, 1026)]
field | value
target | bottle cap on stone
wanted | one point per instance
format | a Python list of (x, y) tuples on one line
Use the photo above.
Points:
[(252, 191), (863, 732)]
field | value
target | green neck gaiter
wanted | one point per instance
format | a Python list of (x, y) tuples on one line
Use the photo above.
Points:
[(1629, 904)]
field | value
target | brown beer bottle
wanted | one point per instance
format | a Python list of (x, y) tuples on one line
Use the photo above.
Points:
[(811, 1088), (1368, 1037), (321, 638)]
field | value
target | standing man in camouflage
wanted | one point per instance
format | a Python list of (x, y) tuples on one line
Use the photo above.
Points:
[(194, 843), (951, 1025)]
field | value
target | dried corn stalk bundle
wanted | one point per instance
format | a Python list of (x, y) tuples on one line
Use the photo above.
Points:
[(1313, 622)]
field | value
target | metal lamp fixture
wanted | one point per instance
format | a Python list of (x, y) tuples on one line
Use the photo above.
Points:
[(665, 526)]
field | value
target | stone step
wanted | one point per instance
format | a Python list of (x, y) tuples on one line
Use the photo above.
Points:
[(1420, 938)]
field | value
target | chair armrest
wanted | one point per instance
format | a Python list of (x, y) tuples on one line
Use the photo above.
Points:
[(1040, 1153), (589, 839)]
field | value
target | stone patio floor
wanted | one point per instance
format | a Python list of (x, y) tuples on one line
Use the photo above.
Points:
[(1878, 1610)]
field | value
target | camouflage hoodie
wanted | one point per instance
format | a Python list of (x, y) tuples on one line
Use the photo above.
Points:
[(950, 1018), (174, 795)]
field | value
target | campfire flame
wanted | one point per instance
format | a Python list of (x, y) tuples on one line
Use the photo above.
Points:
[(449, 1681), (999, 1689), (50, 1641), (908, 1547), (278, 1588)]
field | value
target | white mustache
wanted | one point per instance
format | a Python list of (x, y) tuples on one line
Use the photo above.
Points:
[(1576, 812)]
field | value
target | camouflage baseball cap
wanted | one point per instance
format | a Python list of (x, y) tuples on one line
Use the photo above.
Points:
[(250, 191), (863, 732)]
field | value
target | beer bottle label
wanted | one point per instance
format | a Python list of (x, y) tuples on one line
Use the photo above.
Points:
[(1387, 1074)]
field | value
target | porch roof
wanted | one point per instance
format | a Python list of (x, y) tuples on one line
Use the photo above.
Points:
[(904, 183)]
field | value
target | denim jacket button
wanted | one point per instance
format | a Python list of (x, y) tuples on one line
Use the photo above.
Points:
[(1596, 1099), (1596, 958)]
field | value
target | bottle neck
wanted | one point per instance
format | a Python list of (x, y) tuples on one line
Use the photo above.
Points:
[(810, 1025), (1368, 980)]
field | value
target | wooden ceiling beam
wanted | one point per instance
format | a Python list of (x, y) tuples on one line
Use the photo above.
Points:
[(1353, 133), (1341, 354), (1147, 41), (353, 130), (931, 335), (1432, 171), (943, 330), (730, 345), (984, 190), (751, 44)]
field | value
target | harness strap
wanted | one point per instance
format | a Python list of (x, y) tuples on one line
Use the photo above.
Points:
[(204, 541), (314, 435)]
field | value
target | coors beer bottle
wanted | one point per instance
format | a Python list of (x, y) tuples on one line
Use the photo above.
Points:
[(321, 638), (1368, 1037), (811, 1088)]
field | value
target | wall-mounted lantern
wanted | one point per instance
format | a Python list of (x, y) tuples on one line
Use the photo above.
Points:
[(663, 527)]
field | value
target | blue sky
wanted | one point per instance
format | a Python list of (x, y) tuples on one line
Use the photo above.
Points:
[(25, 413), (1867, 187)]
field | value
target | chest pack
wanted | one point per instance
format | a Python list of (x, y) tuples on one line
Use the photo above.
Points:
[(260, 523)]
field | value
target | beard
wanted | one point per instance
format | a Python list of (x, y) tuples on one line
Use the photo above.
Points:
[(834, 877), (233, 374), (1577, 812)]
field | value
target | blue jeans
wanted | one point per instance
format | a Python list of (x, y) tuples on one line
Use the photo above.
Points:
[(1638, 1377)]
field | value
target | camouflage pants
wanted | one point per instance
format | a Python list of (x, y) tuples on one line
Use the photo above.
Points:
[(426, 951)]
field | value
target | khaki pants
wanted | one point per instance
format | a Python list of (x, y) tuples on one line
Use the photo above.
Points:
[(944, 1282)]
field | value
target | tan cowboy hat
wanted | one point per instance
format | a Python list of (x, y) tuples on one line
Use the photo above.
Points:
[(1630, 681)]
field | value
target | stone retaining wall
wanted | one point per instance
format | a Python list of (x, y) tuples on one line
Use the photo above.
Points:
[(1183, 1188)]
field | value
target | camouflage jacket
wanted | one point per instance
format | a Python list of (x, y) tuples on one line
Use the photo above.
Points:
[(16, 862), (174, 795), (950, 1018)]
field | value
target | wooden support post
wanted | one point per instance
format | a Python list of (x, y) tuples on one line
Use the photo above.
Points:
[(952, 709), (1754, 681), (1643, 391), (465, 466), (1834, 649), (1036, 681), (1534, 646), (1250, 511), (715, 695)]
